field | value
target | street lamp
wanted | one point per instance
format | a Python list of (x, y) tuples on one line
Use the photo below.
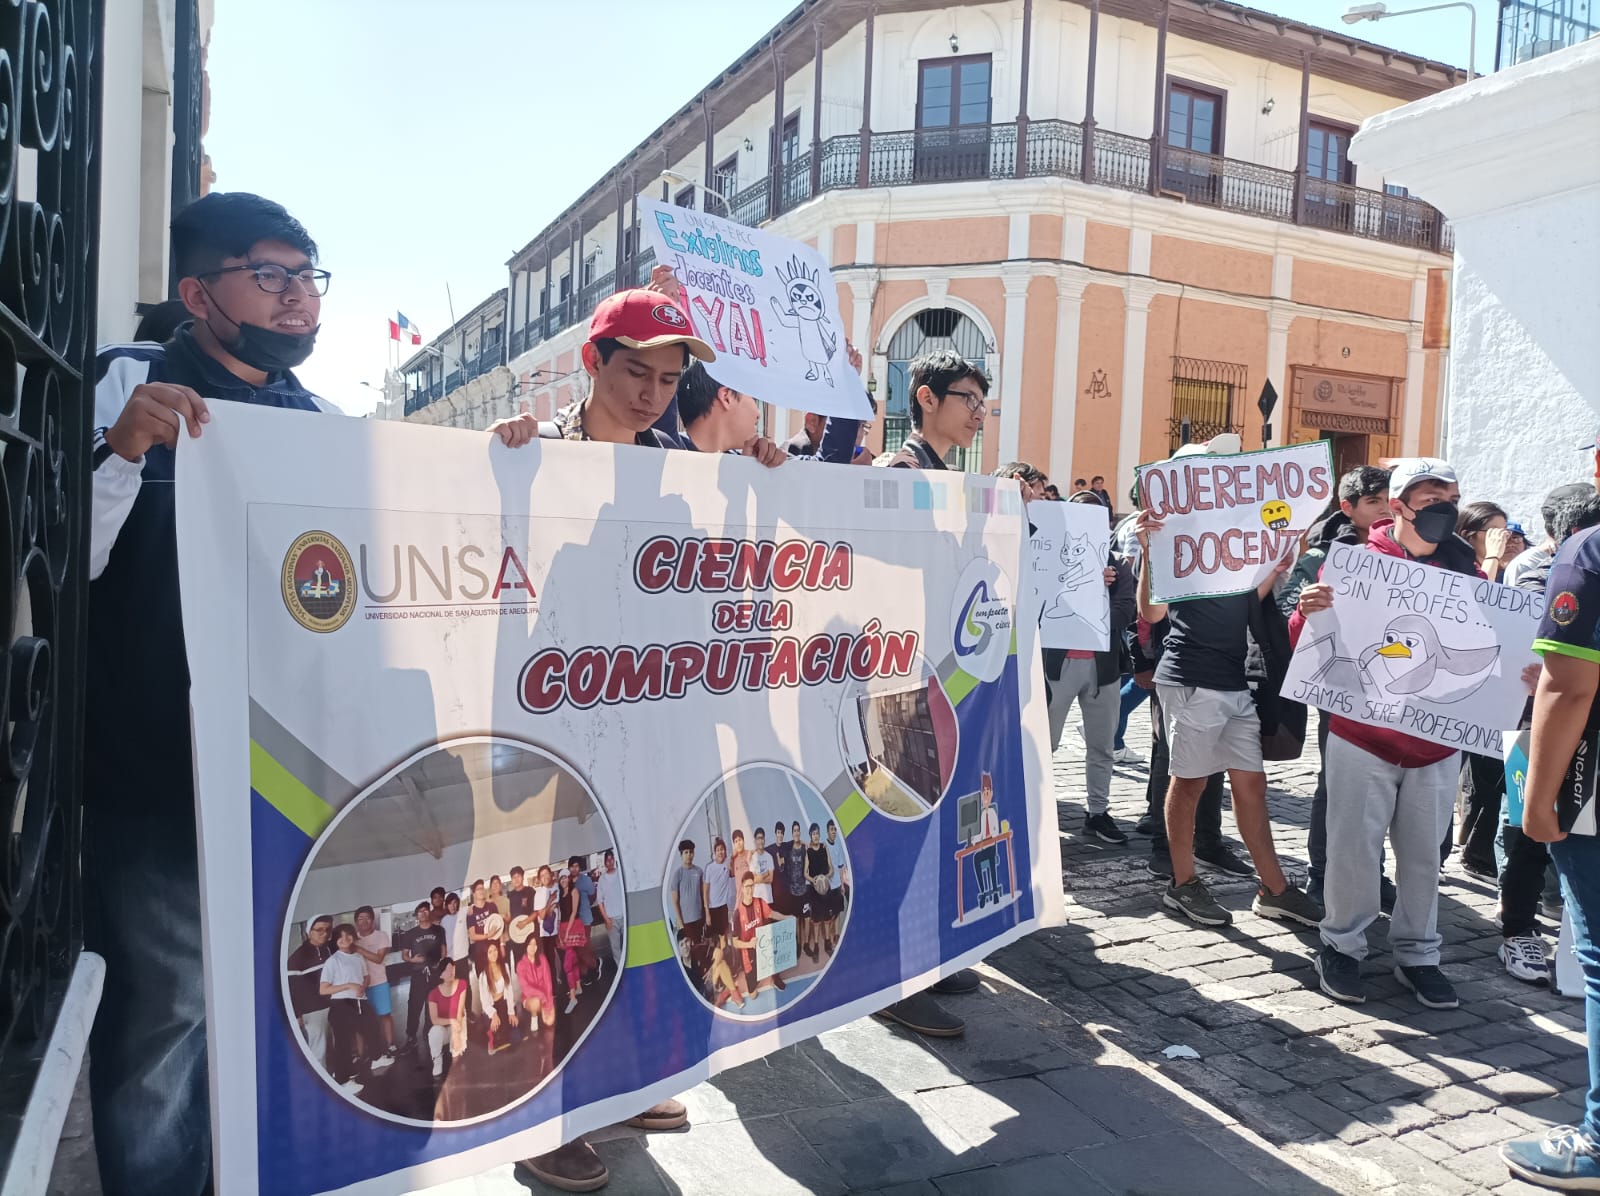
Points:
[(1378, 11), (674, 177)]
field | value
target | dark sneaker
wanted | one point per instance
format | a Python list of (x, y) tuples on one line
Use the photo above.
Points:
[(1146, 826), (964, 981), (1341, 976), (1314, 891), (1483, 867), (573, 1168), (1221, 857), (1564, 1159), (1104, 828), (923, 1015), (1194, 901), (1386, 895), (1430, 986), (1291, 905), (1160, 865), (663, 1115)]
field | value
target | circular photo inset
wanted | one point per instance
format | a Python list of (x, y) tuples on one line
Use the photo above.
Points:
[(455, 933), (898, 737), (757, 891)]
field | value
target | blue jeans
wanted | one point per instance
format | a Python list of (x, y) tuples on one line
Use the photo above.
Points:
[(147, 1051), (1132, 695), (1577, 858)]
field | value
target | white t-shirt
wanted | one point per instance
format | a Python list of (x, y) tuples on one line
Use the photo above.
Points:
[(762, 861), (611, 895), (345, 967)]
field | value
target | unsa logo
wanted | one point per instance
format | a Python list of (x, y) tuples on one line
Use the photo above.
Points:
[(318, 582)]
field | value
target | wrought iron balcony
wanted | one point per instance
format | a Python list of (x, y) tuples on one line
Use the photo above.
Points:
[(1054, 149)]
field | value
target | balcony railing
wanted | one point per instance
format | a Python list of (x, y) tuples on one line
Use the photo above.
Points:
[(1050, 149)]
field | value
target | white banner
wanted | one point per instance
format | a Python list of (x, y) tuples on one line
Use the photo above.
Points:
[(1438, 655), (1071, 545), (766, 304), (1229, 519), (622, 683)]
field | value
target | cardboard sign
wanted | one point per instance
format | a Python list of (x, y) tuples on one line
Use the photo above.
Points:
[(1071, 544), (766, 304), (423, 658), (1437, 655), (1230, 519), (777, 948)]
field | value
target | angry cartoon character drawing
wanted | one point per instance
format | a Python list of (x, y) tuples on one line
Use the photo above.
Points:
[(808, 314)]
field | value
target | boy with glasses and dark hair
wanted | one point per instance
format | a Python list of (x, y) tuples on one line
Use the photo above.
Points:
[(305, 980), (248, 277), (948, 396)]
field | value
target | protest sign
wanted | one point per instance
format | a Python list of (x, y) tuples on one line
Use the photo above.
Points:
[(1435, 654), (766, 304), (1071, 543), (776, 948), (423, 659), (1229, 519)]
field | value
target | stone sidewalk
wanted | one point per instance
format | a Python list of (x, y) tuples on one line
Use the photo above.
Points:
[(1060, 1086)]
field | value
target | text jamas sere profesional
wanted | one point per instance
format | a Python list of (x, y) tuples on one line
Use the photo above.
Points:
[(612, 674), (1196, 485)]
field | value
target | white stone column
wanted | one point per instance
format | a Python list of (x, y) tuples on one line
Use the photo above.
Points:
[(1411, 421), (1136, 323), (1064, 382), (1278, 321), (1015, 280)]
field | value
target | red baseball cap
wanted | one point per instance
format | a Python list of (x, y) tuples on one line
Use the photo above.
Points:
[(643, 319)]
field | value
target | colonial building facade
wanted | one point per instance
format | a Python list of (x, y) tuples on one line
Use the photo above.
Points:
[(1133, 213)]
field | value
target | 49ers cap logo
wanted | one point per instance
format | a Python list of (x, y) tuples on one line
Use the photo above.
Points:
[(317, 587), (667, 314)]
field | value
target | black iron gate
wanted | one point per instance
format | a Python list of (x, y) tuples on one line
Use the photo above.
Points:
[(50, 81)]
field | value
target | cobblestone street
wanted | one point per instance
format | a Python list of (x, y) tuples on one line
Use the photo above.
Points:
[(1060, 1086)]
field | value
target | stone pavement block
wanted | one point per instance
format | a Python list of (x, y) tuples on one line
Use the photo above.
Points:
[(1556, 1110), (769, 1156), (997, 1046), (1384, 1085), (1428, 1146), (1472, 1131), (1516, 1087), (1393, 1117), (1409, 1170), (1565, 1072), (1521, 1123), (1252, 1076), (1015, 1119), (1174, 1162), (1248, 1036), (1457, 1100), (869, 1058), (1483, 1166), (874, 1143), (1516, 1056), (786, 1079), (1126, 1102), (1327, 1119), (1049, 1176)]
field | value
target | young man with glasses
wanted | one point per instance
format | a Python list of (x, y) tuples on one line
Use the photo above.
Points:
[(249, 280), (947, 412)]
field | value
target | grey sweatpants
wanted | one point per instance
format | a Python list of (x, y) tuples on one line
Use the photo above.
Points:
[(1100, 706), (1368, 798)]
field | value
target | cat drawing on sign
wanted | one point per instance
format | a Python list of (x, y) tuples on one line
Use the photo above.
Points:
[(1081, 565), (808, 315)]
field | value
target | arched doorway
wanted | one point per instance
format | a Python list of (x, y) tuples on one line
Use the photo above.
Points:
[(925, 332)]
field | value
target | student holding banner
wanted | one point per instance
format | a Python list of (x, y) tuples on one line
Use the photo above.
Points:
[(1381, 781), (1566, 715), (1211, 726)]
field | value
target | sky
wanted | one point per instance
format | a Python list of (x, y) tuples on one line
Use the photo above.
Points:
[(422, 149)]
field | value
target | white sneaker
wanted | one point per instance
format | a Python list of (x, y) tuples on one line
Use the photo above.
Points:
[(1524, 959), (1126, 755), (352, 1086), (381, 1062), (572, 1003)]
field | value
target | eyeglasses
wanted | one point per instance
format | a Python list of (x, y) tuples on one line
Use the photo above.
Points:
[(973, 401), (274, 279)]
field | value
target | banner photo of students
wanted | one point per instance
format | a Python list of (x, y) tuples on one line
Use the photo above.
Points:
[(1434, 654), (766, 304), (537, 785), (1230, 518), (1071, 545)]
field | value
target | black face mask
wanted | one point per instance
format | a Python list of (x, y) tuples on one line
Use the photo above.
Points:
[(1435, 524), (270, 351), (264, 349)]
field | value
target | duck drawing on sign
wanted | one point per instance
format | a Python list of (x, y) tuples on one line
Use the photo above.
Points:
[(1081, 565), (808, 315), (1411, 661)]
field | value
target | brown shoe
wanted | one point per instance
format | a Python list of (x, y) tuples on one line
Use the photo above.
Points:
[(573, 1168), (664, 1115)]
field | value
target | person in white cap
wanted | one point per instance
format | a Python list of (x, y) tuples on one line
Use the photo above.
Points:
[(1211, 726), (1383, 782)]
